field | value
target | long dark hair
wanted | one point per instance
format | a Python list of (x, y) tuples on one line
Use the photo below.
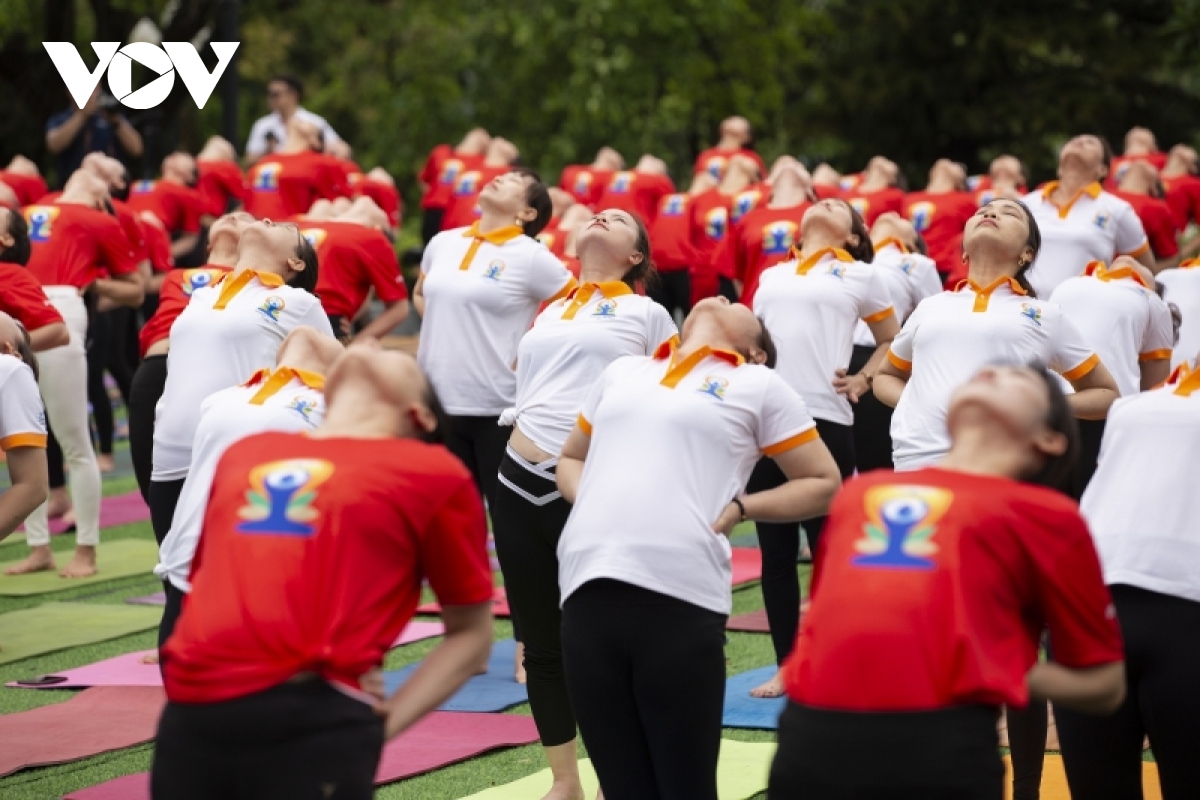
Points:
[(25, 350), (306, 279), (864, 251), (1056, 471), (643, 272)]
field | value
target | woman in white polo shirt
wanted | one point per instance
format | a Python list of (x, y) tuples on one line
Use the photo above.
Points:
[(1142, 506), (811, 304), (645, 569), (22, 427), (1079, 221), (479, 290), (558, 362), (229, 329)]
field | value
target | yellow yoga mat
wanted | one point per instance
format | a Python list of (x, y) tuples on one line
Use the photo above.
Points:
[(119, 559), (1054, 780), (741, 773), (57, 626)]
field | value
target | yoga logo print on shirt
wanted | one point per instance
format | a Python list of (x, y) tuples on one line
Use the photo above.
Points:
[(778, 237), (303, 406), (494, 270), (921, 215), (266, 177), (40, 220), (606, 309), (715, 387), (272, 307), (314, 236), (1032, 313), (194, 279), (902, 521), (672, 206), (279, 500)]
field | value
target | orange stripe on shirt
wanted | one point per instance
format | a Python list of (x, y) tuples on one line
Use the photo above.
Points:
[(1155, 355), (23, 440), (1087, 366), (880, 315), (584, 425), (792, 442), (898, 362)]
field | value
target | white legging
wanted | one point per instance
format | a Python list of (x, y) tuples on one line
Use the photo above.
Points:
[(64, 390)]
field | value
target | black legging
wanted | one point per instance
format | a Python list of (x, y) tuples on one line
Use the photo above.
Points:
[(672, 290), (431, 223), (1091, 433), (872, 422), (1027, 729), (1103, 755), (55, 466), (646, 673), (164, 496), (171, 612), (148, 383), (780, 542), (479, 443)]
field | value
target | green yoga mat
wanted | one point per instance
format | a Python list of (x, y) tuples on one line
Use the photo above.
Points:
[(741, 773), (118, 559), (57, 626)]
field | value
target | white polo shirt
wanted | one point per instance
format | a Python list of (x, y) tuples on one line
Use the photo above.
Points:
[(22, 415), (1093, 226), (228, 330), (1122, 320), (672, 442), (273, 125), (569, 346), (482, 292), (909, 279), (951, 336), (811, 307), (1142, 504), (280, 399), (1182, 287)]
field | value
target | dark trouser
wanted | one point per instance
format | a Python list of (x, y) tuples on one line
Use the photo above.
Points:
[(479, 443), (296, 741), (148, 384), (948, 754), (1027, 729), (646, 674), (431, 223), (673, 290), (164, 496), (780, 542), (1103, 755), (872, 422), (98, 344), (527, 520), (55, 466), (1091, 433), (727, 289), (171, 612)]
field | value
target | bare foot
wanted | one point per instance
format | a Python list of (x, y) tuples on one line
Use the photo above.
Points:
[(106, 462), (59, 503), (772, 688), (39, 559), (150, 658), (565, 791), (519, 670), (83, 563), (599, 794), (68, 517)]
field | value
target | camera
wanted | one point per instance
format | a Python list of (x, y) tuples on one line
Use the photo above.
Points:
[(109, 104)]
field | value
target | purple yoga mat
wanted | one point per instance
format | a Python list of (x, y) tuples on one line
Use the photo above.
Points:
[(121, 509), (156, 599)]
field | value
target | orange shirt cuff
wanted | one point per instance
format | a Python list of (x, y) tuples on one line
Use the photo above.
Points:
[(1143, 249), (1155, 355), (879, 315), (898, 362), (23, 440), (584, 425), (1087, 366), (792, 442)]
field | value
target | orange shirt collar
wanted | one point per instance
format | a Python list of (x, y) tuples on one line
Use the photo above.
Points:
[(984, 293), (1191, 263), (580, 295), (273, 381), (678, 368), (498, 236), (808, 263), (234, 281), (894, 242), (1097, 269), (1189, 382), (1092, 190)]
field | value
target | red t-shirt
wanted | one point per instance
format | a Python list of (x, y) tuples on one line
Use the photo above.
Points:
[(714, 159), (131, 224), (940, 219), (73, 245), (27, 188), (385, 196), (178, 206), (22, 298), (1183, 196), (584, 182), (157, 245), (709, 224), (825, 191), (173, 297), (1158, 220), (433, 166), (870, 205), (932, 590), (448, 174), (463, 208), (554, 238), (759, 240), (353, 258), (1119, 164), (635, 192), (671, 234), (311, 560), (220, 182), (285, 184)]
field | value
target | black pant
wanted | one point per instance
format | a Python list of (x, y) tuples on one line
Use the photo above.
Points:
[(164, 496), (872, 422), (727, 289), (431, 223), (527, 522), (1103, 755), (55, 466), (171, 612), (780, 541), (1091, 433), (479, 443), (296, 741), (672, 290), (646, 674), (148, 383), (1027, 729), (947, 754)]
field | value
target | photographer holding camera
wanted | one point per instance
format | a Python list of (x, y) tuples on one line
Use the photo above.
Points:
[(97, 127)]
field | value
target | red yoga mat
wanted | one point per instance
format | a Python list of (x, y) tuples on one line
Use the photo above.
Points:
[(754, 622), (94, 721), (440, 739), (499, 605)]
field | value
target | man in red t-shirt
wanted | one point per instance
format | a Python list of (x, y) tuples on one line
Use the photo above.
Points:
[(878, 191), (271, 667), (586, 182), (1182, 186), (1140, 145), (463, 207), (22, 176), (174, 200), (672, 249), (638, 191), (941, 212), (380, 187), (736, 137), (21, 295), (1139, 187), (440, 172), (288, 181), (221, 183), (711, 214)]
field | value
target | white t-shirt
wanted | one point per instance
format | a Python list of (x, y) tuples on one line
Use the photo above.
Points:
[(1095, 226), (283, 399), (569, 346), (1122, 320), (951, 336), (671, 446), (811, 308), (1182, 287), (257, 145), (22, 414), (481, 295), (1142, 504), (228, 330), (909, 278)]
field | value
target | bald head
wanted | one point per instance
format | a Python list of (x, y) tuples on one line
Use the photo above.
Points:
[(180, 167), (651, 165), (217, 148), (475, 143), (608, 159), (107, 168), (85, 188), (501, 152), (20, 165), (381, 175), (736, 129), (1140, 141)]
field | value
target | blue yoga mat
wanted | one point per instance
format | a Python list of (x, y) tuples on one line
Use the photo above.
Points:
[(495, 690), (744, 711)]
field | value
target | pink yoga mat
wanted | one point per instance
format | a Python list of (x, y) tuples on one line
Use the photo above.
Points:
[(156, 599), (441, 739), (121, 509), (499, 605), (94, 721), (747, 565), (754, 622)]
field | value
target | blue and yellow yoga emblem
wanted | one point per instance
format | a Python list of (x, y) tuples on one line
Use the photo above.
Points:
[(606, 308), (1032, 313), (714, 386), (901, 523), (303, 406), (494, 270), (279, 500), (272, 307)]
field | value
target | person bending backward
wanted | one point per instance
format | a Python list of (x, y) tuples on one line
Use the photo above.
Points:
[(811, 305), (1150, 550), (929, 598), (76, 245), (21, 295), (22, 427), (559, 360), (478, 292), (1079, 221), (230, 328), (266, 670), (644, 561)]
